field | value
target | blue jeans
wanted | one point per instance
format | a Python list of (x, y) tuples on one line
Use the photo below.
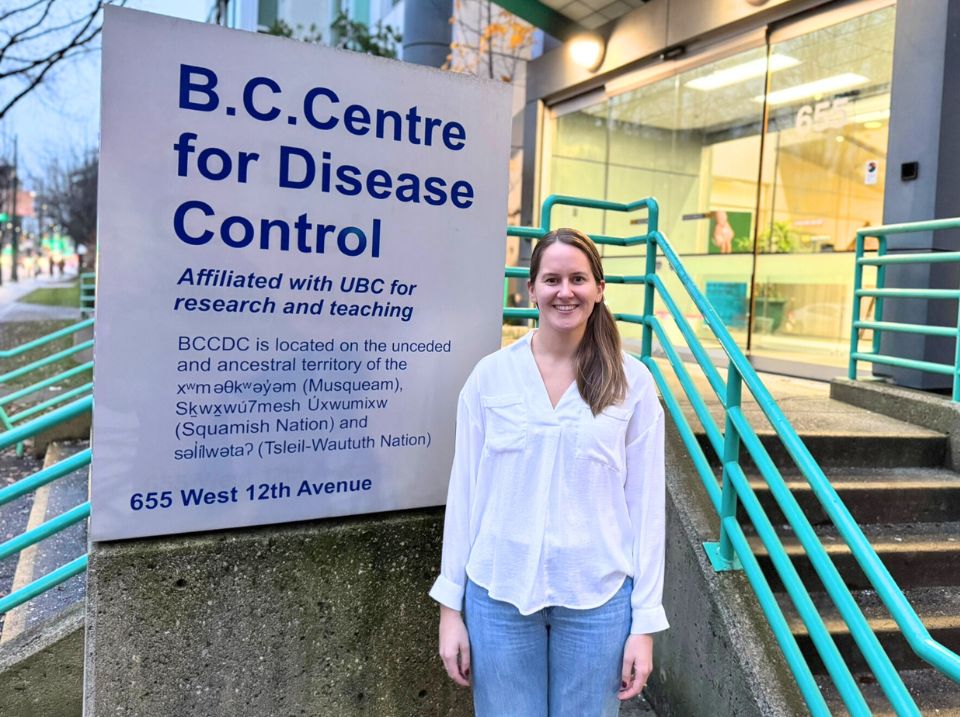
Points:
[(557, 662)]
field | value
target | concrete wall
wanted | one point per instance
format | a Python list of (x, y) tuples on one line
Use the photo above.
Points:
[(719, 658), (41, 670), (323, 618)]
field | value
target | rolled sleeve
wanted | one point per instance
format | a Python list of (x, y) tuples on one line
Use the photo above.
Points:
[(446, 592), (449, 587), (647, 620)]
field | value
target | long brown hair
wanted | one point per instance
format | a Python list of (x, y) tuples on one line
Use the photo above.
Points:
[(600, 376)]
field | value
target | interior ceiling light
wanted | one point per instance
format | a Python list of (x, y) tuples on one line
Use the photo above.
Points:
[(587, 50), (873, 124), (812, 89), (742, 72)]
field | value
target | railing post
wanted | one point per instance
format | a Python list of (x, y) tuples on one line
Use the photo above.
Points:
[(731, 455), (956, 361), (646, 342), (854, 332), (721, 554), (881, 284)]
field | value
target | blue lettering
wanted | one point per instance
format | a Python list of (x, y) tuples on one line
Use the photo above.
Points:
[(188, 86), (461, 194), (454, 136), (308, 102), (248, 105), (180, 229), (378, 180), (356, 120), (244, 224), (310, 169), (349, 185), (435, 194), (183, 147)]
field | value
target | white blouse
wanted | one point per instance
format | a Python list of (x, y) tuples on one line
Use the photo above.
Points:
[(553, 506)]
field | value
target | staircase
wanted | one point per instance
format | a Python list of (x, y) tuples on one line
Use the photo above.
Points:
[(893, 478)]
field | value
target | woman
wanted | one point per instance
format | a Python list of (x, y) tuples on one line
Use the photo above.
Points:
[(552, 572)]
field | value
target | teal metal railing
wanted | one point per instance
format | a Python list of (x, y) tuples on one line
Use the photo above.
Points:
[(7, 419), (30, 484), (733, 550), (881, 293), (44, 340), (88, 293)]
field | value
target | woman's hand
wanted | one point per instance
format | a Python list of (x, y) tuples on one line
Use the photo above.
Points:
[(637, 665), (454, 646)]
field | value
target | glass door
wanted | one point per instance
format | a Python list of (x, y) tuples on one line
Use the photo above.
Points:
[(824, 161), (766, 158)]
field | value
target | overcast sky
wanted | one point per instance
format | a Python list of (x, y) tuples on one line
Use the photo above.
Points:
[(65, 113)]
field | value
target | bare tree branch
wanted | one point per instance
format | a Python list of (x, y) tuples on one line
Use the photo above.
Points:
[(26, 8), (18, 36), (77, 41), (44, 34)]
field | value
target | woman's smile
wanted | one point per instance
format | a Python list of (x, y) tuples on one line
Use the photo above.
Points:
[(565, 289)]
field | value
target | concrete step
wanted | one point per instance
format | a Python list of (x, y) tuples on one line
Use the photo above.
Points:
[(902, 495), (938, 609), (935, 694), (910, 447), (915, 554), (38, 560)]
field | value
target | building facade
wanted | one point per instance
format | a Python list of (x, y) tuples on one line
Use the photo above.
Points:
[(761, 127)]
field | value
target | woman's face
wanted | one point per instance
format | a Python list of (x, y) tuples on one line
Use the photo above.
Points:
[(564, 289)]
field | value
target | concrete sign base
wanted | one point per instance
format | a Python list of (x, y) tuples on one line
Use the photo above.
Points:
[(322, 618)]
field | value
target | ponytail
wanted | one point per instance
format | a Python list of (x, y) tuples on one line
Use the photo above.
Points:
[(600, 376)]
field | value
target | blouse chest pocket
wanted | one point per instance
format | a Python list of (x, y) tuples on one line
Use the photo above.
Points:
[(602, 438), (505, 422)]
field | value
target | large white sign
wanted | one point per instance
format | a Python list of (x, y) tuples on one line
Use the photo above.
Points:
[(300, 260)]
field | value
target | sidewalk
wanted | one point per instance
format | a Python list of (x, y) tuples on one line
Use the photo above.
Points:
[(12, 309)]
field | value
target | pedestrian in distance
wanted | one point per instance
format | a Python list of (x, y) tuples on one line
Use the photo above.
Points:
[(551, 579)]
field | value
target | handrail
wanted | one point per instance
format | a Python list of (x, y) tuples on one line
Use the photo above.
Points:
[(40, 586), (55, 525), (881, 293), (51, 402), (45, 361), (735, 486), (48, 420), (45, 530), (7, 421), (47, 475), (45, 383), (43, 340)]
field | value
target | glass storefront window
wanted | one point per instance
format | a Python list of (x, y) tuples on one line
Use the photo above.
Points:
[(822, 179), (764, 210), (578, 160)]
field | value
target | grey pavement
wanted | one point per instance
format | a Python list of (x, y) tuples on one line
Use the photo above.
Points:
[(12, 309), (807, 405)]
